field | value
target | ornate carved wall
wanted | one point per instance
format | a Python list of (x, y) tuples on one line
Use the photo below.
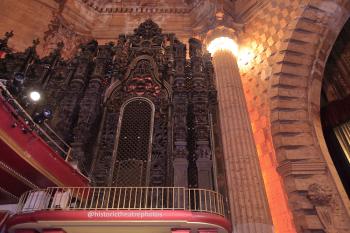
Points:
[(289, 42), (132, 112)]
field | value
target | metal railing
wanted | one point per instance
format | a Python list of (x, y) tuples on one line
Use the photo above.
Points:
[(44, 130), (122, 198)]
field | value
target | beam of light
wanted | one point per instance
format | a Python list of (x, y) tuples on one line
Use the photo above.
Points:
[(223, 43)]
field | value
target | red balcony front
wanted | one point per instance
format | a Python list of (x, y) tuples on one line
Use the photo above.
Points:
[(107, 210), (27, 161)]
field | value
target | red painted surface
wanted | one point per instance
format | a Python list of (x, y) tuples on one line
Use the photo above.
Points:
[(53, 231), (26, 231), (180, 230), (3, 217), (12, 184), (206, 230), (14, 161), (5, 199), (120, 215), (34, 158)]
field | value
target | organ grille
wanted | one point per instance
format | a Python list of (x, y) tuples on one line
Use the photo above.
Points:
[(133, 151)]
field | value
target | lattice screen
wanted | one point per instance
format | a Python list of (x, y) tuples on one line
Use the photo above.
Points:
[(131, 168)]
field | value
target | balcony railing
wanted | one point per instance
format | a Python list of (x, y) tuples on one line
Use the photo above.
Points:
[(44, 130), (122, 198)]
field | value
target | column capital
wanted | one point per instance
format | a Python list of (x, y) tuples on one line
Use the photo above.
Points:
[(219, 31)]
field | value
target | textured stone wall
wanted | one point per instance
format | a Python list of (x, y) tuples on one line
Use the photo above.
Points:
[(289, 42)]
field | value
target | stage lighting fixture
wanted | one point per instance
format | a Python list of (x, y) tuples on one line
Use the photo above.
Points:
[(34, 96), (45, 114), (17, 83)]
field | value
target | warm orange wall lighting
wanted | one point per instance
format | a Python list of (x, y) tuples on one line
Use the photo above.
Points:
[(281, 215)]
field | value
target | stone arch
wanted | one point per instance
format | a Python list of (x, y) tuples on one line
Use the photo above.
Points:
[(303, 158)]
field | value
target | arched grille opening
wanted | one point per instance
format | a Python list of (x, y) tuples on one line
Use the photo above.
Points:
[(134, 144)]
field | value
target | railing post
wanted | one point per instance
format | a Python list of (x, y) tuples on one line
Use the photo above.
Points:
[(184, 198), (68, 154), (217, 203)]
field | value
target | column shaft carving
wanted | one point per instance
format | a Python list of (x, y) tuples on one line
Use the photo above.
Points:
[(180, 151), (248, 202), (68, 109), (90, 107), (199, 100)]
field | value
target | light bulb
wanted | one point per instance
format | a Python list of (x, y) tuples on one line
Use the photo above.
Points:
[(35, 96)]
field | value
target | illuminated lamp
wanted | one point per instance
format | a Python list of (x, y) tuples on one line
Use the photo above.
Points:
[(34, 96), (223, 43)]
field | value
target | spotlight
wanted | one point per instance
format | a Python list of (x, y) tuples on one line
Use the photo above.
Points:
[(17, 83), (18, 79), (39, 118), (35, 96), (47, 113)]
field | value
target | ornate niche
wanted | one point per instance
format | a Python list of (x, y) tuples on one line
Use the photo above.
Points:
[(151, 70), (136, 113), (133, 143), (140, 105)]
